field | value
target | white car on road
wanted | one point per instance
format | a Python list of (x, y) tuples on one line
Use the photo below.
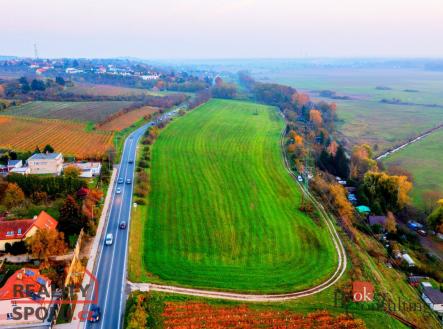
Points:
[(109, 239)]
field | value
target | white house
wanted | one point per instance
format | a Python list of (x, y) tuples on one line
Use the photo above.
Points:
[(434, 299), (46, 163), (88, 169)]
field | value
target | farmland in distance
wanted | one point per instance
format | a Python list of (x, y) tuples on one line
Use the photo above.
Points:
[(79, 111)]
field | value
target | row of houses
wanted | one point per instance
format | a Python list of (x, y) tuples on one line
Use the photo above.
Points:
[(49, 163)]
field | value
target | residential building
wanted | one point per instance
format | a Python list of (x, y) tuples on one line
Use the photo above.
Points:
[(434, 299), (14, 164), (26, 287), (20, 171), (46, 163), (12, 231), (87, 169)]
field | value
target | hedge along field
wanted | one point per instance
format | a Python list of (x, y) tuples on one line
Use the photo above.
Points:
[(79, 111), (223, 212), (70, 138)]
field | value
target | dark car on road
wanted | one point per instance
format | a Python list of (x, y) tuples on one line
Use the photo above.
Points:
[(131, 161), (94, 314), (122, 225), (120, 180)]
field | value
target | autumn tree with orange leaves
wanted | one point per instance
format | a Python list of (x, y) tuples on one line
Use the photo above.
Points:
[(361, 161), (316, 117)]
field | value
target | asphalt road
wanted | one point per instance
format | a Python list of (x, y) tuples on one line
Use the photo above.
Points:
[(111, 267)]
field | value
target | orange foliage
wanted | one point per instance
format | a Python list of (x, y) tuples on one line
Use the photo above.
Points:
[(298, 140), (181, 315), (300, 99), (24, 134), (292, 148), (2, 90), (315, 117), (332, 148)]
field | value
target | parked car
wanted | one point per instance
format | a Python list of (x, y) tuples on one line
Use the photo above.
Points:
[(118, 190), (109, 239), (122, 225), (95, 314), (422, 232)]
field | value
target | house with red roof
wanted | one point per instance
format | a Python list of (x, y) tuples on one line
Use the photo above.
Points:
[(16, 230), (25, 288)]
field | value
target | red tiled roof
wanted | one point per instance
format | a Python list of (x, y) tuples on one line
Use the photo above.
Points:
[(28, 278), (45, 221), (17, 229)]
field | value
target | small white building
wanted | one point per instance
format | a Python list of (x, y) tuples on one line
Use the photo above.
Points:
[(12, 164), (408, 259), (87, 169), (20, 171), (73, 70), (150, 77), (433, 298)]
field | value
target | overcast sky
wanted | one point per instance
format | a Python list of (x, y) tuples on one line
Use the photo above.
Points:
[(222, 28)]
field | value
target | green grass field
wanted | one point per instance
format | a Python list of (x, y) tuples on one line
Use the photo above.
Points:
[(424, 160), (78, 111), (383, 125), (223, 212)]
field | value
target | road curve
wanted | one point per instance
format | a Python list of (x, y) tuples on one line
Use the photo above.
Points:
[(341, 265)]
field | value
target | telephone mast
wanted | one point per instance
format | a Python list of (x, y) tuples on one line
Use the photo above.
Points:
[(35, 51)]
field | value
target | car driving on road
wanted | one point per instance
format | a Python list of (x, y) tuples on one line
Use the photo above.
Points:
[(109, 239), (122, 225), (95, 314), (128, 181), (118, 190), (131, 161), (120, 180)]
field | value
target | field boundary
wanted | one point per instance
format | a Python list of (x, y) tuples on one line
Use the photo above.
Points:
[(218, 294), (413, 140)]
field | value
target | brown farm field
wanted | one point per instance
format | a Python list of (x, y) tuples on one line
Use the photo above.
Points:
[(70, 138), (78, 111), (126, 119)]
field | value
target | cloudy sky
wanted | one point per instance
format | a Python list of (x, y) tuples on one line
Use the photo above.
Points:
[(222, 28)]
